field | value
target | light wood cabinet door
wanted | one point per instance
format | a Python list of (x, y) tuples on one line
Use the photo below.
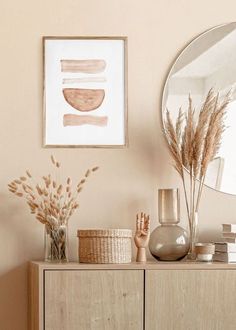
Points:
[(93, 299), (190, 300)]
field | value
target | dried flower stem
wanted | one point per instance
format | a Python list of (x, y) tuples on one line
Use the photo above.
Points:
[(52, 202), (194, 143)]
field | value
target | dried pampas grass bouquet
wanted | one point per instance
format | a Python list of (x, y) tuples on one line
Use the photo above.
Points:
[(194, 140)]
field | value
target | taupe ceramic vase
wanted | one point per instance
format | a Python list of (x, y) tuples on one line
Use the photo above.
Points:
[(169, 241)]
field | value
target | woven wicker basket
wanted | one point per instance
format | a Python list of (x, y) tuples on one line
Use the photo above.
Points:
[(105, 246)]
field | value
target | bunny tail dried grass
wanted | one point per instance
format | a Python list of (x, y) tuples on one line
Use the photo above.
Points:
[(50, 201), (173, 144), (53, 160)]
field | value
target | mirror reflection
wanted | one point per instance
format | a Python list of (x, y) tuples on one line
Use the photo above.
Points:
[(209, 61)]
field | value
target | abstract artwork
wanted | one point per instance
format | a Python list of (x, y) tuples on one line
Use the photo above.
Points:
[(85, 92)]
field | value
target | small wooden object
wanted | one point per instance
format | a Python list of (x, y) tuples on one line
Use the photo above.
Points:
[(204, 251), (142, 236)]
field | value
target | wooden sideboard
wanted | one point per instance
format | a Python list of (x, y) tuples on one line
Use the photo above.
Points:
[(151, 296)]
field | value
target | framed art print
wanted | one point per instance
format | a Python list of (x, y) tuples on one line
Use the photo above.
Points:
[(85, 102)]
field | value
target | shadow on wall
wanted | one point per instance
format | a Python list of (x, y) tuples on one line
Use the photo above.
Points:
[(21, 240), (210, 236), (13, 299)]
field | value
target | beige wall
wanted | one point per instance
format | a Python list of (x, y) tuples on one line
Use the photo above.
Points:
[(128, 179)]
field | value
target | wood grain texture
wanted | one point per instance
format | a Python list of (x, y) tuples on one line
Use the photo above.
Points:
[(35, 297), (179, 265), (190, 299), (94, 300)]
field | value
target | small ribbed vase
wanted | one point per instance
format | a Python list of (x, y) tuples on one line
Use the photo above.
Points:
[(169, 241), (56, 243)]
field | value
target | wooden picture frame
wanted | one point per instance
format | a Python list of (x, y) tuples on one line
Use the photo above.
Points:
[(85, 92)]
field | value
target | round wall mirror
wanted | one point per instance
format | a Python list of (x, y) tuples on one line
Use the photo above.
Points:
[(209, 61)]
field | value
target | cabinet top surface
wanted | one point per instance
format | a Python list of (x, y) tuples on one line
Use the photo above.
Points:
[(149, 265)]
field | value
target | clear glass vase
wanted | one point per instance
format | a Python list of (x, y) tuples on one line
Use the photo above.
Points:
[(56, 243), (193, 236), (169, 241)]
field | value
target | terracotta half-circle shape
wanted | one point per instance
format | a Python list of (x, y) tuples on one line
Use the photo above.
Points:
[(84, 99)]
